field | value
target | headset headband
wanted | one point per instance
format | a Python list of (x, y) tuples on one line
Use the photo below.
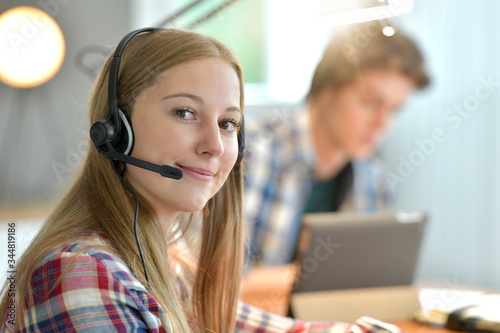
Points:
[(113, 115)]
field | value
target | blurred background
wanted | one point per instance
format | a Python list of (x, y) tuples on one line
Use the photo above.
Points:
[(442, 156)]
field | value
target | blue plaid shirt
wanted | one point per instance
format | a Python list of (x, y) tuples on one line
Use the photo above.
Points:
[(279, 164)]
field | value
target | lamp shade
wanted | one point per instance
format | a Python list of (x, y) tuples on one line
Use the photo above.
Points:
[(32, 47)]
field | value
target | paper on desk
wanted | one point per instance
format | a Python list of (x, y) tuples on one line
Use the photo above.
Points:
[(487, 310), (478, 306), (449, 299)]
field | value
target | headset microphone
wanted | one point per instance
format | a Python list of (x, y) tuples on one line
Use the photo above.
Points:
[(105, 147), (113, 136)]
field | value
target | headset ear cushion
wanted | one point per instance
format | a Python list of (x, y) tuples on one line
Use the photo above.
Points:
[(126, 143), (241, 143)]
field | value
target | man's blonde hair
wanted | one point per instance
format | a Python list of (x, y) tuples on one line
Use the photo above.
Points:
[(363, 47)]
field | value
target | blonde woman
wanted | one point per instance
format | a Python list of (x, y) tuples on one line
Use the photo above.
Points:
[(116, 255)]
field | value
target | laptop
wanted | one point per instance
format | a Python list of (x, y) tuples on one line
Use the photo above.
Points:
[(351, 255)]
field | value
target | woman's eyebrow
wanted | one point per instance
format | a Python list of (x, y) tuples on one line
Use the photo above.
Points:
[(199, 100), (234, 108), (191, 96)]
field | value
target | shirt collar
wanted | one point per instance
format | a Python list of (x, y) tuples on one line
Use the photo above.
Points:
[(305, 151)]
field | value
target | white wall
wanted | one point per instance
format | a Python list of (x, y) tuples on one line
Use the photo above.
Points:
[(456, 178)]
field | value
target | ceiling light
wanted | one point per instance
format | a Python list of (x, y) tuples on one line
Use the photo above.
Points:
[(32, 47), (355, 11)]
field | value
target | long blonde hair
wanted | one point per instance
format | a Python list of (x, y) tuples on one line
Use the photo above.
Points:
[(98, 201)]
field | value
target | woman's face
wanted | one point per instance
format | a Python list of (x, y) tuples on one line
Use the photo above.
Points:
[(189, 120), (356, 116)]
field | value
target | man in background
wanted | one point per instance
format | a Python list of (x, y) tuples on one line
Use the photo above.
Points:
[(320, 159)]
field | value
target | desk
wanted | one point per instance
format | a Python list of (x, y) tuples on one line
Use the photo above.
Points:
[(273, 296)]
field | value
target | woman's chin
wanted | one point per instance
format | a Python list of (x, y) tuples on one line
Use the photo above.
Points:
[(195, 204), (193, 208)]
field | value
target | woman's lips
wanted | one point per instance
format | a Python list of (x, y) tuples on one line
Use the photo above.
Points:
[(198, 173)]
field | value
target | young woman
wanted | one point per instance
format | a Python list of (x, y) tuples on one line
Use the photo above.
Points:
[(170, 160)]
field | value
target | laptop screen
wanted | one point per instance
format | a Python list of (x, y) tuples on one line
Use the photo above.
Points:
[(358, 250)]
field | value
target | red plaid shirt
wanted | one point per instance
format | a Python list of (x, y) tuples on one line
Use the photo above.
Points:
[(98, 293)]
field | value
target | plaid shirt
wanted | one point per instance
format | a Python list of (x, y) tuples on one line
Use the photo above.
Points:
[(98, 293), (279, 164)]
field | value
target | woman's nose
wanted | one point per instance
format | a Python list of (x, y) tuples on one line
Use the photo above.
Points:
[(210, 144)]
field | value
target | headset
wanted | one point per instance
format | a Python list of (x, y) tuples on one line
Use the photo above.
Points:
[(113, 135)]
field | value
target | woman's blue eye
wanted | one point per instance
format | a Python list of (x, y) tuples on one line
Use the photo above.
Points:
[(184, 113), (229, 125), (181, 113)]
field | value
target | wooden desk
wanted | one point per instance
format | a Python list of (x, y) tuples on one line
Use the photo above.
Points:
[(273, 295), (269, 288), (413, 327)]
